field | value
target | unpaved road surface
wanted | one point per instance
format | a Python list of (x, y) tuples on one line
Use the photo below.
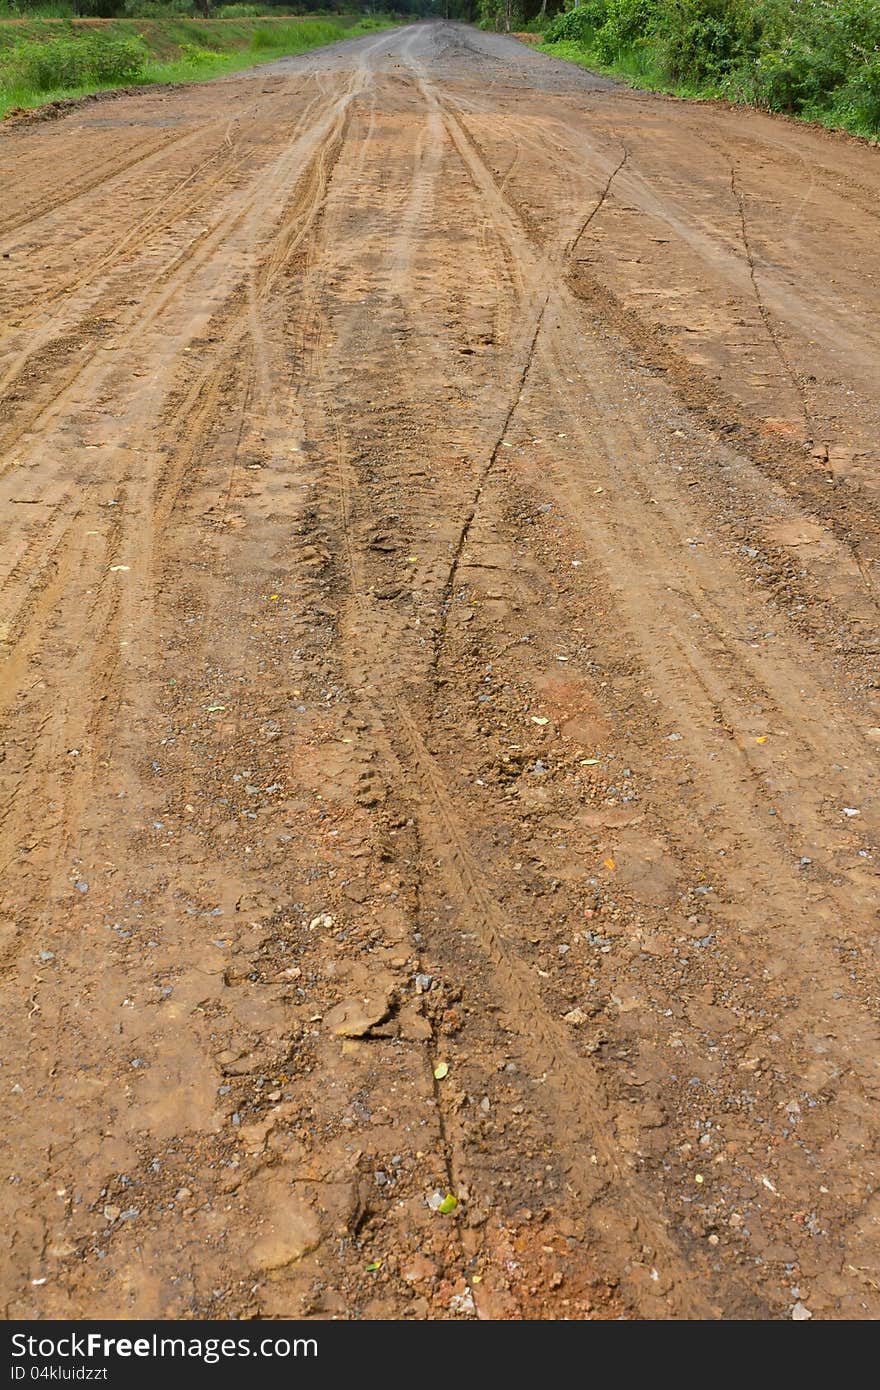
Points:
[(439, 701)]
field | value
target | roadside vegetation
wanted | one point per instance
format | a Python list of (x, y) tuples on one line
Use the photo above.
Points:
[(48, 57), (817, 59)]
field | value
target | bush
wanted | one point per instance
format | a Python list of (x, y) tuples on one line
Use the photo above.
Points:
[(820, 58), (810, 54), (626, 27), (862, 95), (580, 25), (82, 61), (701, 40)]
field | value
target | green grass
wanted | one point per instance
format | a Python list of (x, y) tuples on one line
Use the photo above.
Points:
[(46, 61), (815, 60), (635, 67)]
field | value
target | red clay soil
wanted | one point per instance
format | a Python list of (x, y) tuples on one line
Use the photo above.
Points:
[(439, 697)]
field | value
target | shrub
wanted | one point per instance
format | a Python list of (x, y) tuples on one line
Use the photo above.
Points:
[(812, 51), (627, 26), (817, 57), (701, 40), (82, 61), (862, 94), (579, 25)]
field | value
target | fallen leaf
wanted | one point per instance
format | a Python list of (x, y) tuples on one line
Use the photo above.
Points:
[(448, 1204)]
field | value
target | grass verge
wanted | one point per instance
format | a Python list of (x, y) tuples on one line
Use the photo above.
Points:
[(636, 68), (44, 61)]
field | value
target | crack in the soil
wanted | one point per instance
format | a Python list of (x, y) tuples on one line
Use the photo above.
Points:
[(766, 316), (573, 244), (449, 585), (447, 1145)]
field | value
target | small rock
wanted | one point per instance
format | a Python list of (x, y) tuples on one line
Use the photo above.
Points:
[(800, 1312), (355, 1017), (419, 1270), (576, 1017), (413, 1027), (462, 1302), (292, 1233)]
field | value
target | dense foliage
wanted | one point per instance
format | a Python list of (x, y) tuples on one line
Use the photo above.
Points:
[(819, 58), (93, 60)]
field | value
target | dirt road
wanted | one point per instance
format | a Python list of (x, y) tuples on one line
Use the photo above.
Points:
[(439, 699)]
